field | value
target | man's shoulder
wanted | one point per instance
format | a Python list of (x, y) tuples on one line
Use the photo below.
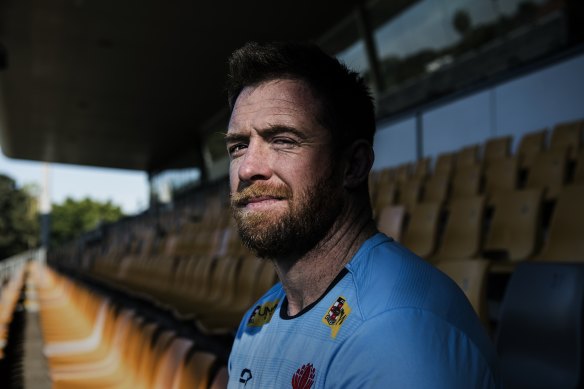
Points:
[(388, 277)]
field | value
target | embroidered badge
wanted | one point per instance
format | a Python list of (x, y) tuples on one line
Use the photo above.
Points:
[(336, 315), (304, 377), (262, 314)]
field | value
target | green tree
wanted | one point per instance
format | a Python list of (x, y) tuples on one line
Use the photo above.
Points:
[(73, 218), (19, 227)]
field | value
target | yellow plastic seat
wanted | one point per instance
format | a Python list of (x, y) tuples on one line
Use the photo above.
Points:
[(421, 233), (565, 236), (463, 231), (391, 221)]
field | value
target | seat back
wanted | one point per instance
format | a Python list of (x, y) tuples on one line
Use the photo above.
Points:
[(422, 168), (462, 235), (391, 221), (195, 371), (445, 164), (501, 175), (539, 338), (467, 181), (437, 188), (497, 148), (410, 193), (467, 156), (548, 172), (420, 235), (386, 191), (531, 144), (170, 362), (568, 136), (565, 236), (515, 226), (579, 171)]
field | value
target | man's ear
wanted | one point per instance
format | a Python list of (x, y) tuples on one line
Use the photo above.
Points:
[(359, 159)]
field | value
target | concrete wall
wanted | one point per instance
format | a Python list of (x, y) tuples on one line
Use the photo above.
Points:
[(538, 100)]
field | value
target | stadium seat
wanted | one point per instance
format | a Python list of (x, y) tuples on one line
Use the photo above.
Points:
[(471, 277), (467, 181), (391, 221), (227, 313), (548, 172), (410, 193), (513, 234), (421, 233), (501, 175), (497, 148), (386, 193), (564, 239), (540, 331), (445, 164), (195, 372), (170, 362), (467, 156), (531, 144), (578, 177), (463, 231), (437, 188), (568, 136), (422, 168)]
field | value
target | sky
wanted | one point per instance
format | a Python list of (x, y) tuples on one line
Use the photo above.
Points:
[(125, 188)]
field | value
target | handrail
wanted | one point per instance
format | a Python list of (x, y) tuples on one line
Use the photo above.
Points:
[(12, 265)]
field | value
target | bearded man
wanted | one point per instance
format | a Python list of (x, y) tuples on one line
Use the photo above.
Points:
[(353, 309)]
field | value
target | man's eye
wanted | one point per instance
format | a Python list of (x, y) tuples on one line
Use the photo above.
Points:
[(284, 142), (236, 149)]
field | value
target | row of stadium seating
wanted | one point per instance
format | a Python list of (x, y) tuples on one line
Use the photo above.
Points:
[(511, 228), (468, 173), (92, 341)]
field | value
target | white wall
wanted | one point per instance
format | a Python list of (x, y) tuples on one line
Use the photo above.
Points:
[(537, 100)]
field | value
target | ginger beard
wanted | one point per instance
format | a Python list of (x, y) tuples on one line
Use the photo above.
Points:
[(293, 232)]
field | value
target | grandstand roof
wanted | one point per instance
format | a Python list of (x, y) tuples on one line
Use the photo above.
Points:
[(130, 84)]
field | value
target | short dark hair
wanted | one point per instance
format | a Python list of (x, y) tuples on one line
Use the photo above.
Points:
[(347, 108)]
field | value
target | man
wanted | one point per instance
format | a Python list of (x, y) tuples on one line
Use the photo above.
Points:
[(354, 309)]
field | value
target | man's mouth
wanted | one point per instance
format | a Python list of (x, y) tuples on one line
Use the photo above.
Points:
[(259, 195), (258, 201)]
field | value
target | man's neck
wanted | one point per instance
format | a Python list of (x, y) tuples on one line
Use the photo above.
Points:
[(307, 278)]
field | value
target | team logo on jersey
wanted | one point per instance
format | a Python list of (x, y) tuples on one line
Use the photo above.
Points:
[(262, 314), (336, 315), (304, 377), (245, 376)]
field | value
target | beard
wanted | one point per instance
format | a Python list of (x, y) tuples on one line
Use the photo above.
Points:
[(297, 230)]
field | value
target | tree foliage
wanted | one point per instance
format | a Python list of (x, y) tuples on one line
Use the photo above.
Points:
[(19, 227), (73, 218)]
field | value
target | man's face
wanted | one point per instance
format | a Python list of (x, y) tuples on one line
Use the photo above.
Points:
[(285, 190)]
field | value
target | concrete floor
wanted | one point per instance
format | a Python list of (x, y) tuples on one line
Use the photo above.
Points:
[(35, 368)]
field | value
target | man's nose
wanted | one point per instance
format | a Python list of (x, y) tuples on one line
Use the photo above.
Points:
[(255, 164)]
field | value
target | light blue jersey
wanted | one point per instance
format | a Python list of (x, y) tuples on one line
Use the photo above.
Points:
[(389, 320)]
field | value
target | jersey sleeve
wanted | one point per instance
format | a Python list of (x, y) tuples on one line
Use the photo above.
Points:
[(409, 348)]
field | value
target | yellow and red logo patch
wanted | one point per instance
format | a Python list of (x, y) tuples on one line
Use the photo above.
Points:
[(336, 315)]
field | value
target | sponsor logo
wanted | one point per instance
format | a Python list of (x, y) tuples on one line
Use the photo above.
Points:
[(245, 376), (304, 377), (262, 314), (336, 315)]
